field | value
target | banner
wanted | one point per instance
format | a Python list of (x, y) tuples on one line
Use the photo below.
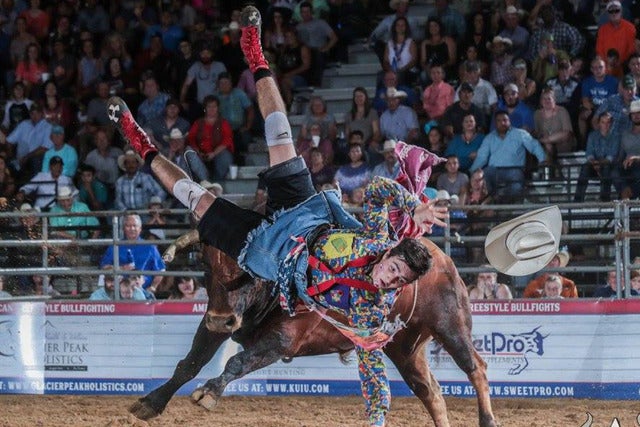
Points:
[(534, 348)]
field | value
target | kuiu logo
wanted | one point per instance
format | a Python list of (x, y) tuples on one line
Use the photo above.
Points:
[(520, 345), (614, 423)]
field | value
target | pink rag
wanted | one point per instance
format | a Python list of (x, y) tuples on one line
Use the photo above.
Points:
[(415, 170)]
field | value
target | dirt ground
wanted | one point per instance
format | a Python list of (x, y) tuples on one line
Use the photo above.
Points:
[(109, 411)]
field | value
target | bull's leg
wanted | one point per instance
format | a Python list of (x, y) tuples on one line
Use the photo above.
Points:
[(457, 342), (204, 346), (415, 371), (265, 352)]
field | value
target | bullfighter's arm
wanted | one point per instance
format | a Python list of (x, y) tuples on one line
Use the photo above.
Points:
[(189, 238)]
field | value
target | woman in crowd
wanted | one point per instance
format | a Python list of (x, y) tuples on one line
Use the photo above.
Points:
[(304, 146), (186, 288), (274, 33), (318, 114), (321, 172), (16, 109), (22, 38), (401, 52), (356, 173), (114, 46), (478, 36), (30, 70), (465, 145), (436, 49), (56, 110), (553, 127), (364, 118)]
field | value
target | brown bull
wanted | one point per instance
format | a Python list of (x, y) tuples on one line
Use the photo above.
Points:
[(437, 306)]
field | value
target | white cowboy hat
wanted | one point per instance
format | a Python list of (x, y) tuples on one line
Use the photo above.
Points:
[(563, 256), (392, 92), (66, 192), (26, 207), (634, 107), (130, 154), (175, 134), (207, 185), (444, 195), (526, 244), (389, 145)]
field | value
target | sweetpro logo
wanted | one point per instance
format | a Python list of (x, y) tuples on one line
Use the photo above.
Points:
[(517, 346)]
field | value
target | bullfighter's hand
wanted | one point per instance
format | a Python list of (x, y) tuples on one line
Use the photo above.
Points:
[(430, 213)]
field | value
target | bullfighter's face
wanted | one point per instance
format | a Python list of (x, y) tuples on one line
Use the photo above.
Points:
[(392, 272)]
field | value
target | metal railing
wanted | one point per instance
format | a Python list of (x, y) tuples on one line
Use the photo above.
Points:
[(616, 231)]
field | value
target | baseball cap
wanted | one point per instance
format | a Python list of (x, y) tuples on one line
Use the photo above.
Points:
[(57, 130)]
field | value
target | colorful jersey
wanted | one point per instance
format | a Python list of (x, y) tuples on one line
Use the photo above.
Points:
[(364, 309)]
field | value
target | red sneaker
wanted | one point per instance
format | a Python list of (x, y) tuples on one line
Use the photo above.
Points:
[(250, 21), (123, 120)]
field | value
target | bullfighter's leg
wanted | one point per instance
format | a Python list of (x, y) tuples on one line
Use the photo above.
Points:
[(415, 371), (204, 346), (276, 126), (266, 351)]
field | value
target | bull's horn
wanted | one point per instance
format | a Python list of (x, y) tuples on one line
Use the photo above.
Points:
[(638, 420), (589, 421)]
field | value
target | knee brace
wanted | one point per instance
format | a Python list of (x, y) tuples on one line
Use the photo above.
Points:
[(188, 193), (277, 130)]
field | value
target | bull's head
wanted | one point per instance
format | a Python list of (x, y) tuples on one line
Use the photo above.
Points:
[(231, 291)]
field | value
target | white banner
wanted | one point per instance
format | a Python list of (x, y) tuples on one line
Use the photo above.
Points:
[(534, 348)]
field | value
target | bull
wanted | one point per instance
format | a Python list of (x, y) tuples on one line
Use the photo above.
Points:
[(244, 309)]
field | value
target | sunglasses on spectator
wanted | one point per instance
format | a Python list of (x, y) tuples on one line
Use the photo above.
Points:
[(614, 11)]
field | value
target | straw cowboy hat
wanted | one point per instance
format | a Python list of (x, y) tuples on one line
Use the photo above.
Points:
[(563, 256), (207, 185), (175, 134), (130, 154), (66, 192), (526, 244)]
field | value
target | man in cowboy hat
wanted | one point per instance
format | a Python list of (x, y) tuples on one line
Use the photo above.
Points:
[(169, 119), (66, 227), (399, 122), (135, 187), (515, 32), (501, 59), (536, 286), (390, 167), (188, 160)]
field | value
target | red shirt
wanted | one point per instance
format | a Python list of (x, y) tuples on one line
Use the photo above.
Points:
[(205, 137)]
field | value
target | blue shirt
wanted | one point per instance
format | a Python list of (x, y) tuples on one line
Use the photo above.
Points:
[(101, 294), (145, 257), (171, 36), (462, 149), (233, 106), (151, 109), (600, 147), (521, 117), (599, 91), (28, 137), (69, 157), (619, 113), (509, 151)]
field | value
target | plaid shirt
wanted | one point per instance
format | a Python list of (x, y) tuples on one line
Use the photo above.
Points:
[(565, 37), (151, 109), (135, 192)]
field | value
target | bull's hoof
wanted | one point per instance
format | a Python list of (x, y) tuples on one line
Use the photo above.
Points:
[(142, 410), (204, 398)]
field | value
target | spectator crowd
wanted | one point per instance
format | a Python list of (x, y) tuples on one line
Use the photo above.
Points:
[(499, 88)]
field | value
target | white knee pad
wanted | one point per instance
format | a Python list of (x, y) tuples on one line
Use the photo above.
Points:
[(188, 193), (277, 130)]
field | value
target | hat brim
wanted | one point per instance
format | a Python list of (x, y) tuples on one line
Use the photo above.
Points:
[(506, 262), (123, 157)]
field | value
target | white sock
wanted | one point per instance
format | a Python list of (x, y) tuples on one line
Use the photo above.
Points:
[(188, 193), (277, 129)]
